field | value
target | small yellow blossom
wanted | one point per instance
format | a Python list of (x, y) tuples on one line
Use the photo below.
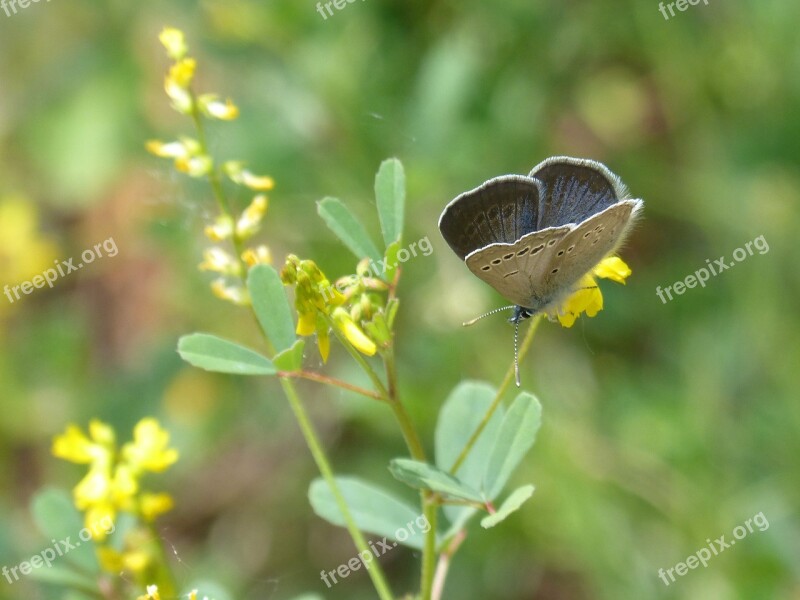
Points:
[(149, 451), (250, 221), (195, 166), (587, 297), (260, 255), (174, 41), (154, 505), (219, 261), (213, 107), (222, 229), (152, 593), (238, 174), (353, 332), (232, 293), (177, 82)]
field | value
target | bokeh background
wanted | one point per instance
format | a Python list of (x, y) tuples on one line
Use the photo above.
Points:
[(664, 424)]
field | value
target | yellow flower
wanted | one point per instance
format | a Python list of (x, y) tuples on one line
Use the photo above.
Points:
[(238, 174), (587, 297), (174, 41), (260, 255), (75, 447), (235, 294), (353, 332), (194, 166), (221, 229), (148, 451), (214, 108), (177, 82), (154, 505), (219, 261), (152, 593), (250, 221)]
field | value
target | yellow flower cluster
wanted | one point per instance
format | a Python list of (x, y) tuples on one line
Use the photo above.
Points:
[(588, 298), (319, 305), (152, 594), (191, 157), (112, 483)]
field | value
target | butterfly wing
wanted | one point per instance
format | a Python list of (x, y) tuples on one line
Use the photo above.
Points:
[(501, 210), (574, 189), (586, 245), (516, 269)]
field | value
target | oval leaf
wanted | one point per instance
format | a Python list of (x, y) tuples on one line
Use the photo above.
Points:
[(222, 356), (390, 195), (374, 510), (347, 228), (59, 520), (271, 306), (291, 359), (516, 499), (423, 476), (516, 436)]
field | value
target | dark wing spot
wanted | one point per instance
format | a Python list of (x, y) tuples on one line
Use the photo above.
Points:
[(486, 267), (508, 256), (539, 247), (523, 251), (497, 261)]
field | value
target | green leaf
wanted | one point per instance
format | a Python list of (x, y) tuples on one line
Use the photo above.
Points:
[(57, 519), (459, 417), (390, 194), (271, 306), (222, 356), (291, 359), (64, 577), (423, 476), (516, 436), (516, 499), (391, 262), (347, 228), (374, 510)]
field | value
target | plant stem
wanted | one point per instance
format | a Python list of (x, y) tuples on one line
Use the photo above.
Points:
[(444, 564), (498, 396), (319, 378), (312, 440)]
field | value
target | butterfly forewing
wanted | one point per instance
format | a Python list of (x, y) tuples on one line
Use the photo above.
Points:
[(501, 210), (574, 190)]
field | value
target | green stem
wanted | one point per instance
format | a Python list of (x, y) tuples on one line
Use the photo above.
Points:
[(498, 397), (319, 378), (312, 440)]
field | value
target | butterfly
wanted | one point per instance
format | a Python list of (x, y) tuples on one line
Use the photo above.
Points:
[(534, 238)]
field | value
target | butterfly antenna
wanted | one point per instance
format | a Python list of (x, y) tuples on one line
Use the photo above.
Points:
[(516, 362), (491, 312)]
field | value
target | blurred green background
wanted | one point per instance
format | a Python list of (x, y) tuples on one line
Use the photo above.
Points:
[(664, 424)]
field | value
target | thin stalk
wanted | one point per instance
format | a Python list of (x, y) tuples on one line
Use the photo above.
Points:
[(444, 564), (319, 378), (320, 458), (498, 397)]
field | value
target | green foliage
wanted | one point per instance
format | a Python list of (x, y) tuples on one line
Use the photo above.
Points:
[(374, 509), (271, 306), (347, 228), (212, 353), (390, 196)]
